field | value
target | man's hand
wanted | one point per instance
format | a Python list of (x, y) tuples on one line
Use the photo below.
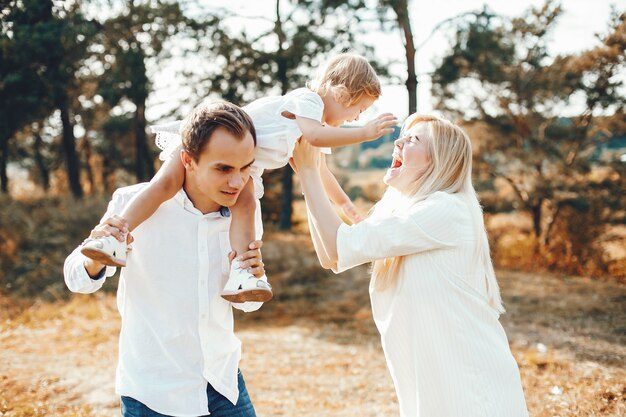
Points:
[(251, 260), (114, 226), (379, 126)]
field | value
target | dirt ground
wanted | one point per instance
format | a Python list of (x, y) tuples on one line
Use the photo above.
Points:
[(314, 350)]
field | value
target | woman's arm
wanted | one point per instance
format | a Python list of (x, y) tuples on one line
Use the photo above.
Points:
[(336, 194), (323, 220), (320, 250), (327, 136)]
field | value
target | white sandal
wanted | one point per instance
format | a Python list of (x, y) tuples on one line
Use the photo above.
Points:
[(242, 286), (107, 250)]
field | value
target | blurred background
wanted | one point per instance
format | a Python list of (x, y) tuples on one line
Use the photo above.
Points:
[(538, 85)]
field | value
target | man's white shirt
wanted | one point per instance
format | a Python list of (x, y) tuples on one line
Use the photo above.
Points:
[(177, 332)]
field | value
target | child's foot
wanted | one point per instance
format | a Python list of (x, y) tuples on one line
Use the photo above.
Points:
[(242, 286), (106, 250)]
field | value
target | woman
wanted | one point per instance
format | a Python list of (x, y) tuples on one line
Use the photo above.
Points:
[(435, 298)]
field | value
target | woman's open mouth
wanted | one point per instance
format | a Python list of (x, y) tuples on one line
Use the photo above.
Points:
[(396, 162)]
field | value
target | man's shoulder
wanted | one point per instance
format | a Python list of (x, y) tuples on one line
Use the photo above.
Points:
[(125, 193), (130, 189)]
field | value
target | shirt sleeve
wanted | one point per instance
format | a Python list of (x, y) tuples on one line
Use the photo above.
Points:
[(432, 224), (76, 277), (305, 104)]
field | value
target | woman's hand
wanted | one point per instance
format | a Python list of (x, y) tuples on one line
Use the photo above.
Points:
[(305, 156), (351, 212)]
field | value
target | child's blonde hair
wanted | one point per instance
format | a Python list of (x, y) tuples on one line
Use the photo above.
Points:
[(350, 76), (449, 170)]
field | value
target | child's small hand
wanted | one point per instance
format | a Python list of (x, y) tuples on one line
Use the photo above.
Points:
[(351, 212), (379, 126)]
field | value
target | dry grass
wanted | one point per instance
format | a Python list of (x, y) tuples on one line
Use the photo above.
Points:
[(314, 349)]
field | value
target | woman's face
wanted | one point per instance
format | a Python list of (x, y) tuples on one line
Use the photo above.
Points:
[(410, 158)]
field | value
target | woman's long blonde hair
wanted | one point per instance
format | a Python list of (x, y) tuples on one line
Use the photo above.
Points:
[(449, 170)]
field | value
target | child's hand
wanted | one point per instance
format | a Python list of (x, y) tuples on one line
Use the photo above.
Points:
[(379, 126), (351, 212)]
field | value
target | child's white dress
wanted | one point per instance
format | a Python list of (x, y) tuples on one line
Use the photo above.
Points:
[(276, 134)]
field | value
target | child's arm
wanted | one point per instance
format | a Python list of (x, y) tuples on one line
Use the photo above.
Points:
[(336, 193), (163, 186), (326, 136)]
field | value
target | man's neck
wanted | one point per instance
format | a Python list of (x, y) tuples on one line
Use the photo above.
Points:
[(200, 202)]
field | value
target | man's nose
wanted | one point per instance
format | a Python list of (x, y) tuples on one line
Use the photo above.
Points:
[(237, 180)]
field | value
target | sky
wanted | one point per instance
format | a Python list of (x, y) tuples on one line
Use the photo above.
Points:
[(575, 31)]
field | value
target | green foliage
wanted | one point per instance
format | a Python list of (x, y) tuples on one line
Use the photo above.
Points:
[(498, 72)]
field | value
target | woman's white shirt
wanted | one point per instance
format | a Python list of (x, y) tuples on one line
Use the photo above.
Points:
[(446, 351)]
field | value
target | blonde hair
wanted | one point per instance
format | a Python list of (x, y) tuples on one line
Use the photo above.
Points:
[(450, 171), (349, 76)]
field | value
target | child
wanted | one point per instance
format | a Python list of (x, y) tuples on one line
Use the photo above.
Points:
[(346, 88)]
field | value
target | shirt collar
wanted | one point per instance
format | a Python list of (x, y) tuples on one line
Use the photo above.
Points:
[(182, 199)]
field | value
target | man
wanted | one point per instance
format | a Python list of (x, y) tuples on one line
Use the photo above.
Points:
[(178, 352)]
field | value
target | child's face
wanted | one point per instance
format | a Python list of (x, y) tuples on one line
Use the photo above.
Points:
[(337, 113)]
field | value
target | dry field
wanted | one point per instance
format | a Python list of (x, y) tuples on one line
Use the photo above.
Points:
[(314, 350)]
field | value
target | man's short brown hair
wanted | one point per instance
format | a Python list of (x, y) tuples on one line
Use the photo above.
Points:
[(197, 128)]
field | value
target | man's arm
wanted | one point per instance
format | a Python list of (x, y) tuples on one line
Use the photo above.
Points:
[(84, 275)]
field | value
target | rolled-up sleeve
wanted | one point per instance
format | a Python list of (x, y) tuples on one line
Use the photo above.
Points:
[(76, 277), (430, 225)]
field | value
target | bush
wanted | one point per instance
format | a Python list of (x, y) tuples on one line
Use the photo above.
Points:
[(35, 238)]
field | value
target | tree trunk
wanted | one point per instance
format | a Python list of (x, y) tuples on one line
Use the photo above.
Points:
[(144, 165), (44, 173), (107, 174), (286, 199), (86, 152), (401, 9), (536, 213), (69, 149), (4, 157)]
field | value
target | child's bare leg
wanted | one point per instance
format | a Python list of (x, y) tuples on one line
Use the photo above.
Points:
[(242, 286), (163, 186), (242, 223)]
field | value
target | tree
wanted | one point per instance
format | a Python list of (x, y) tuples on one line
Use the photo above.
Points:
[(390, 15), (279, 59), (499, 72), (129, 40), (23, 91)]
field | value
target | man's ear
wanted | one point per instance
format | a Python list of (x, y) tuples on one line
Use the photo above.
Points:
[(186, 159)]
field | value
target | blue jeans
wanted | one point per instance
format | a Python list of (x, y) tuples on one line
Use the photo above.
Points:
[(219, 406)]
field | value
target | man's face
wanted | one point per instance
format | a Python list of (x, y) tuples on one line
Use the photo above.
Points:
[(222, 170)]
